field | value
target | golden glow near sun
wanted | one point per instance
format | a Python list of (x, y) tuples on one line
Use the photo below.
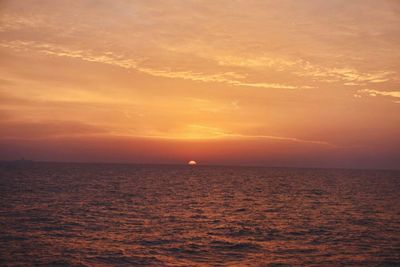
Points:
[(192, 162), (228, 81)]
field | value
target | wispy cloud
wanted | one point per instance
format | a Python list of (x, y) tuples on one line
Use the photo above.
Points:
[(46, 129), (371, 92), (13, 22), (270, 85), (282, 138), (346, 75), (276, 63), (303, 68), (195, 131), (118, 60)]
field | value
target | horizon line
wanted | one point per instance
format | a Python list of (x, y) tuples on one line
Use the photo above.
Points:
[(199, 165)]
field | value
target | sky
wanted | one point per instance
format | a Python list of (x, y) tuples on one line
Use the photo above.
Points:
[(274, 83)]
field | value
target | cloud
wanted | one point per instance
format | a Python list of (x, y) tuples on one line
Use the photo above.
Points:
[(283, 36), (46, 129), (61, 51), (14, 22), (114, 59), (282, 138), (270, 85), (303, 68), (195, 131), (348, 76), (371, 92), (276, 63)]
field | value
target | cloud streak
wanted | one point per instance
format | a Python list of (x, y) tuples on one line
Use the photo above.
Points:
[(113, 59), (195, 131), (372, 92), (304, 68), (46, 129)]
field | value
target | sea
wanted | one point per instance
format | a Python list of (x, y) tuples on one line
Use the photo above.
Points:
[(75, 214)]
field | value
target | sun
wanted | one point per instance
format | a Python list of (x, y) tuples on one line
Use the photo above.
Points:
[(192, 162)]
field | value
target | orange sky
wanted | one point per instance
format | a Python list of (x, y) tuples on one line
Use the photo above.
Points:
[(275, 83)]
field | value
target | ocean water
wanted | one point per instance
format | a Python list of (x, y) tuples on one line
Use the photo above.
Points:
[(136, 215)]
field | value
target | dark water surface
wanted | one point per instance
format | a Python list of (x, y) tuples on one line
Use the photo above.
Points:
[(129, 215)]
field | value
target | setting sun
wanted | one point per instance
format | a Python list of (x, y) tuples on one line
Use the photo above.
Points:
[(192, 162)]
